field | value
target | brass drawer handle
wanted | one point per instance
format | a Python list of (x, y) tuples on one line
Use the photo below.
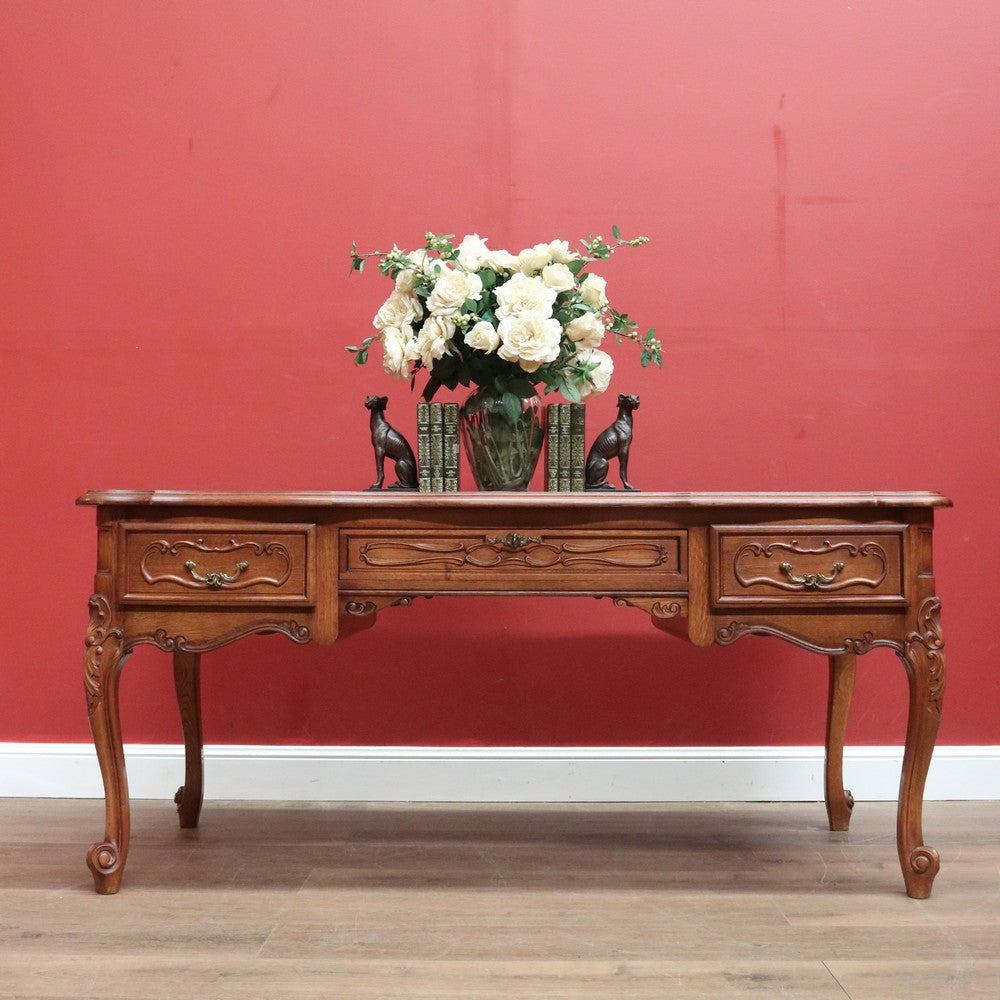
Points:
[(812, 581), (512, 540), (215, 580)]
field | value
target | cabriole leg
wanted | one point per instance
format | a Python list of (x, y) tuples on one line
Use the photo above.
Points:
[(839, 801), (188, 687), (923, 656), (102, 665)]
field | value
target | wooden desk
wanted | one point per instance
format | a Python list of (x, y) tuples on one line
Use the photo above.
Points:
[(835, 573)]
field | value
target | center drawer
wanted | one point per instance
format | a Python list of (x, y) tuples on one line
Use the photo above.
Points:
[(509, 559)]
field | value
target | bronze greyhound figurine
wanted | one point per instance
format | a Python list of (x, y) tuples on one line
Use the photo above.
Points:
[(388, 442), (614, 440)]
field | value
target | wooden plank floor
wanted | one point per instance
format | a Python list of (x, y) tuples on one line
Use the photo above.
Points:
[(458, 902)]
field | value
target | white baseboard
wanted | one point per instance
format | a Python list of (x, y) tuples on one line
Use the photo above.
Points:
[(497, 774)]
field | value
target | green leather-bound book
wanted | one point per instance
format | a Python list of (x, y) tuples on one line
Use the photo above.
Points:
[(437, 448), (423, 447), (552, 447), (564, 447), (577, 445), (450, 447)]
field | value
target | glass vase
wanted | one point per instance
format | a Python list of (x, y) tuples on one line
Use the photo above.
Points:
[(503, 435)]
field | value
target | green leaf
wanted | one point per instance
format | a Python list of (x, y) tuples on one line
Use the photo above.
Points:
[(431, 388), (488, 277), (512, 408), (570, 391), (576, 266), (616, 232)]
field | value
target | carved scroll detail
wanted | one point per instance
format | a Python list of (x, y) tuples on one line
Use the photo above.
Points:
[(102, 638), (180, 643), (728, 634), (216, 581), (103, 858), (360, 609), (927, 644), (656, 607), (924, 861), (525, 551), (811, 581)]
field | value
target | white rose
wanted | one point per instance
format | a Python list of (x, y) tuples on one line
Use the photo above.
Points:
[(523, 294), (471, 252), (433, 339), (398, 350), (534, 259), (529, 339), (404, 280), (592, 289), (452, 289), (499, 260), (483, 337), (600, 377), (558, 277), (586, 330), (561, 253), (400, 309)]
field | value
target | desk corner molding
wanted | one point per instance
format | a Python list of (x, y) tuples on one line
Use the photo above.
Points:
[(105, 645), (923, 651)]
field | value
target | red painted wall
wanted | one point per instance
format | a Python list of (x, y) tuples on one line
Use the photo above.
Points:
[(179, 188)]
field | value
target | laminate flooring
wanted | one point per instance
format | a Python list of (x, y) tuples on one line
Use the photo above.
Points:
[(627, 902)]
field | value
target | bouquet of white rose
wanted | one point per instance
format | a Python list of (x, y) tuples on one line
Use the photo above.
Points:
[(470, 315)]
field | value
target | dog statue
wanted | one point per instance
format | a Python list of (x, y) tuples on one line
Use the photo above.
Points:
[(614, 440), (388, 442)]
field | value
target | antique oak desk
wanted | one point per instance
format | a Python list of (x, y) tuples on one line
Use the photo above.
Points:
[(835, 573)]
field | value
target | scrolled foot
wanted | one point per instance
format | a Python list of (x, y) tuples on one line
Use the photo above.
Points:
[(188, 808), (106, 863), (919, 871), (840, 811)]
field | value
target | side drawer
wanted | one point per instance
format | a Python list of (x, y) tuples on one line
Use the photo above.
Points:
[(242, 564), (809, 566), (512, 560)]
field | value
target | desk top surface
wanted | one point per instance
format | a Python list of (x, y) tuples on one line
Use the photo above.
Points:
[(604, 499)]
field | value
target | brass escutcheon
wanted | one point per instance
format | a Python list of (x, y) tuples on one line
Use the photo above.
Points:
[(512, 540)]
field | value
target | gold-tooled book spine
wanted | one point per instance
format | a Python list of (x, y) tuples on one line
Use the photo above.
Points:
[(552, 447), (450, 447), (437, 448), (424, 447), (565, 448), (577, 445)]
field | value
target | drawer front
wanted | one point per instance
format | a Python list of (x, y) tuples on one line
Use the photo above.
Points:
[(506, 559), (804, 567), (245, 564)]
